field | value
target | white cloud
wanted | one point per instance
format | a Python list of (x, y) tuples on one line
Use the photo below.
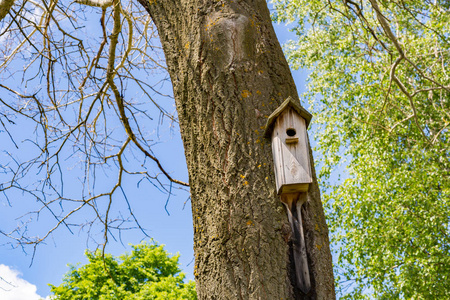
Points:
[(12, 287)]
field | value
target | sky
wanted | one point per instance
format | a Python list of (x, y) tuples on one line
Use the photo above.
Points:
[(26, 275), (14, 287)]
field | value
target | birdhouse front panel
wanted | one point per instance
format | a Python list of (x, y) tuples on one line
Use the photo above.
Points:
[(290, 153)]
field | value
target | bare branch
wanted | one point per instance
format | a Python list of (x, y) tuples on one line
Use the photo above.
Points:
[(119, 99), (63, 98)]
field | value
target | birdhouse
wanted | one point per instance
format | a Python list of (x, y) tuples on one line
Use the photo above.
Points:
[(286, 127)]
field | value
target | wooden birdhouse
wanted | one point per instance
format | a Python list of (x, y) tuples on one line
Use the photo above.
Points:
[(286, 127)]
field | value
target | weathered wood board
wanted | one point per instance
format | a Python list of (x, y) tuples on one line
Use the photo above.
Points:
[(291, 157)]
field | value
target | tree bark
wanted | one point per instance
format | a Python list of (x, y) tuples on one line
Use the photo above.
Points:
[(229, 74)]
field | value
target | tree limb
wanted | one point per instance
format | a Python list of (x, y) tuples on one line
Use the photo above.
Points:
[(111, 72)]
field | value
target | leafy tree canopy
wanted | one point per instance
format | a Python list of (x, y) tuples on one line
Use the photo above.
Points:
[(379, 88), (148, 272)]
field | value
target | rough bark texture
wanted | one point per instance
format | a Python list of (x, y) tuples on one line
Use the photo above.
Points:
[(229, 74)]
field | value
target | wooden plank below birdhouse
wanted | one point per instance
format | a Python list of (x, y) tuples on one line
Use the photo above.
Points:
[(293, 203)]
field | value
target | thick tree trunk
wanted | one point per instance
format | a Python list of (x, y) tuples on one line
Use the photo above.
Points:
[(229, 73)]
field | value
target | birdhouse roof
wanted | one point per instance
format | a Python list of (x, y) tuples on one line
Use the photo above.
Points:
[(289, 102)]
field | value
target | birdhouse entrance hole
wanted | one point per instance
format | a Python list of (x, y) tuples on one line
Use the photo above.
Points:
[(291, 139), (291, 132)]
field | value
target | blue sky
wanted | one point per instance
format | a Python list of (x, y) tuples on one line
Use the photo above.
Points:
[(30, 274)]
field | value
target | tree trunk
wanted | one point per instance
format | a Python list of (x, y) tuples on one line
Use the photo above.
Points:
[(229, 74)]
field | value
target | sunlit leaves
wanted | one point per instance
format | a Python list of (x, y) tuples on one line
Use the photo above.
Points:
[(147, 273)]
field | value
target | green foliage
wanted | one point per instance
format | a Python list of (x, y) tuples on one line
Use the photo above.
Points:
[(147, 273), (379, 88)]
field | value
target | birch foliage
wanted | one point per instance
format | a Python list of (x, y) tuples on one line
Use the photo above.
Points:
[(379, 90)]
